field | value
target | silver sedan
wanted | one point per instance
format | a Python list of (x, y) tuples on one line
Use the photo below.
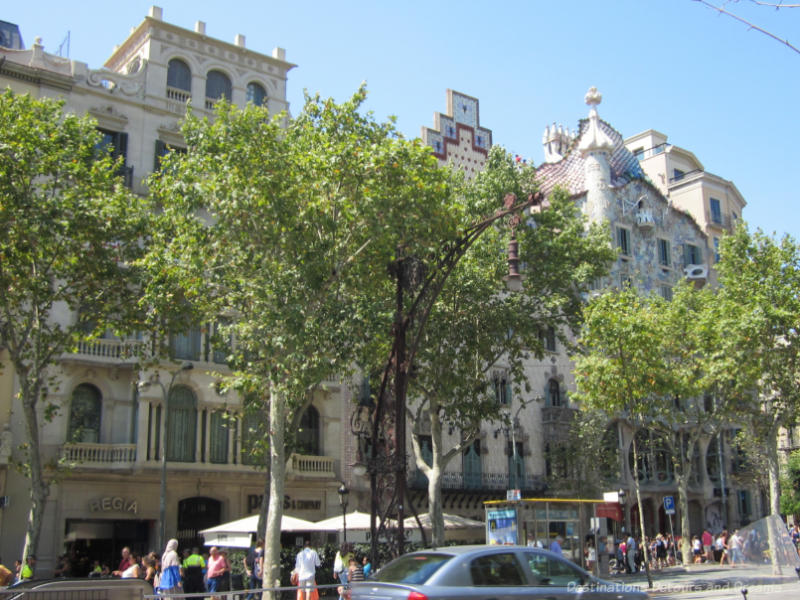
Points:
[(488, 573)]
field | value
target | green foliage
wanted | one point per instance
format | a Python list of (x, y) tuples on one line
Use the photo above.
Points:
[(790, 486), (69, 235)]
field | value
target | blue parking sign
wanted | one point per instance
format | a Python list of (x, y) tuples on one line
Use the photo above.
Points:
[(669, 505)]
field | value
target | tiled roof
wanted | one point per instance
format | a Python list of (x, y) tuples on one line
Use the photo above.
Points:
[(569, 172)]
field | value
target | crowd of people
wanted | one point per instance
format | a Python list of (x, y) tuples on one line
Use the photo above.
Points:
[(727, 547), (347, 567)]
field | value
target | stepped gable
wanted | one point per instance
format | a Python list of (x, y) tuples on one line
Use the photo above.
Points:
[(570, 172)]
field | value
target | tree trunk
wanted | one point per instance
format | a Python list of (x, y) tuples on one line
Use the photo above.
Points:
[(683, 503), (277, 454), (39, 487), (774, 497), (636, 489), (435, 483)]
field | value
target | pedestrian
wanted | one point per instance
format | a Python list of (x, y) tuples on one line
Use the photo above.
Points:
[(630, 554), (735, 544), (149, 566), (355, 571), (133, 571), (254, 568), (367, 566), (193, 567), (590, 554), (305, 566), (724, 538), (708, 541), (697, 549), (340, 567), (170, 580), (555, 546), (124, 563), (27, 571), (217, 568), (6, 575)]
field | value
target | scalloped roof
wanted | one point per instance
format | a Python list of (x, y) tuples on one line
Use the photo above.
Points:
[(570, 171)]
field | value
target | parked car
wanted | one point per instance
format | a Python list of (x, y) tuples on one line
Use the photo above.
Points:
[(78, 589), (488, 572)]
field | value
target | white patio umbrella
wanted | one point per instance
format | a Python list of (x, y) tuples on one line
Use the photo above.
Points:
[(450, 522), (237, 534), (355, 521)]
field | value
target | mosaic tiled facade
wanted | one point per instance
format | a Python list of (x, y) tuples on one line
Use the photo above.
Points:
[(457, 137)]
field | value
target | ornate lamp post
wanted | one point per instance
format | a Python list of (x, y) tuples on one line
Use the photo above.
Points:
[(343, 494), (162, 502)]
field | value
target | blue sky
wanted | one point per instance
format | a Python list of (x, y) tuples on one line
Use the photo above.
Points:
[(727, 93)]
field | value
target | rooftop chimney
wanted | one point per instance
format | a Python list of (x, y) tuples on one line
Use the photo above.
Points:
[(156, 13), (239, 40), (200, 27)]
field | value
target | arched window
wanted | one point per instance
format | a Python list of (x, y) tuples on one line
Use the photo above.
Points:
[(553, 393), (308, 435), (256, 93), (217, 85), (182, 424), (179, 76), (84, 415)]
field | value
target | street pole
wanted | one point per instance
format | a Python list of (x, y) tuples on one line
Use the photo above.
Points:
[(162, 501)]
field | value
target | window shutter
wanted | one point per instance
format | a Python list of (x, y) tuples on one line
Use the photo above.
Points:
[(508, 392), (161, 150)]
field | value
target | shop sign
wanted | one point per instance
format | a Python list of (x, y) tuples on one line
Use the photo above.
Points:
[(289, 503), (114, 504)]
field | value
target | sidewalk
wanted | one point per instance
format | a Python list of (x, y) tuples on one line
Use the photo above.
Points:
[(678, 579)]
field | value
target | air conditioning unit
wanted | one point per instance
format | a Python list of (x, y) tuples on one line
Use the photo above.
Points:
[(695, 272)]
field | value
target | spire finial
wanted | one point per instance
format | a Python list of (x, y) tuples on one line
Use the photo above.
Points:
[(593, 97)]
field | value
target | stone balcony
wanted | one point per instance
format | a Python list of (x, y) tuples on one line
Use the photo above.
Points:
[(310, 467), (101, 456), (109, 351)]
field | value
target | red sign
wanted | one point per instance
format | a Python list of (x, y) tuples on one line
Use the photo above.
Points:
[(610, 510)]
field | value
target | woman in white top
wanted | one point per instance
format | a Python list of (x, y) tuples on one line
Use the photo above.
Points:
[(132, 572)]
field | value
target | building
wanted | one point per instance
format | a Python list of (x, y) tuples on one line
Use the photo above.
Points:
[(659, 241), (714, 202), (108, 430)]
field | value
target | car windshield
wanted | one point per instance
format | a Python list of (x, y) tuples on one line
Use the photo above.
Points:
[(412, 568)]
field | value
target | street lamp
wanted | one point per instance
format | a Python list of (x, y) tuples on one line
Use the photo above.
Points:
[(625, 516), (343, 493), (162, 504)]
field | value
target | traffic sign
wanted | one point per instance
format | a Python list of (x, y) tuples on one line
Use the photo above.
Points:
[(669, 505)]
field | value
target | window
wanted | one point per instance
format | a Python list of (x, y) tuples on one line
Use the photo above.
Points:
[(716, 249), (713, 459), (179, 76), (555, 461), (664, 253), (218, 438), (665, 292), (115, 143), (308, 434), (548, 339), (624, 241), (553, 393), (256, 93), (182, 424), (677, 174), (162, 149), (551, 571), (716, 211), (745, 503), (502, 388), (471, 466), (655, 459), (692, 255), (187, 345), (516, 466), (496, 570), (84, 415), (253, 430), (218, 85), (639, 153)]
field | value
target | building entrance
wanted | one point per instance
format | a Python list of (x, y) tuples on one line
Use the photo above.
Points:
[(89, 540)]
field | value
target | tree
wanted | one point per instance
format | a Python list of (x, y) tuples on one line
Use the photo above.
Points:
[(69, 232), (476, 323), (618, 368), (760, 292), (287, 227), (790, 487)]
